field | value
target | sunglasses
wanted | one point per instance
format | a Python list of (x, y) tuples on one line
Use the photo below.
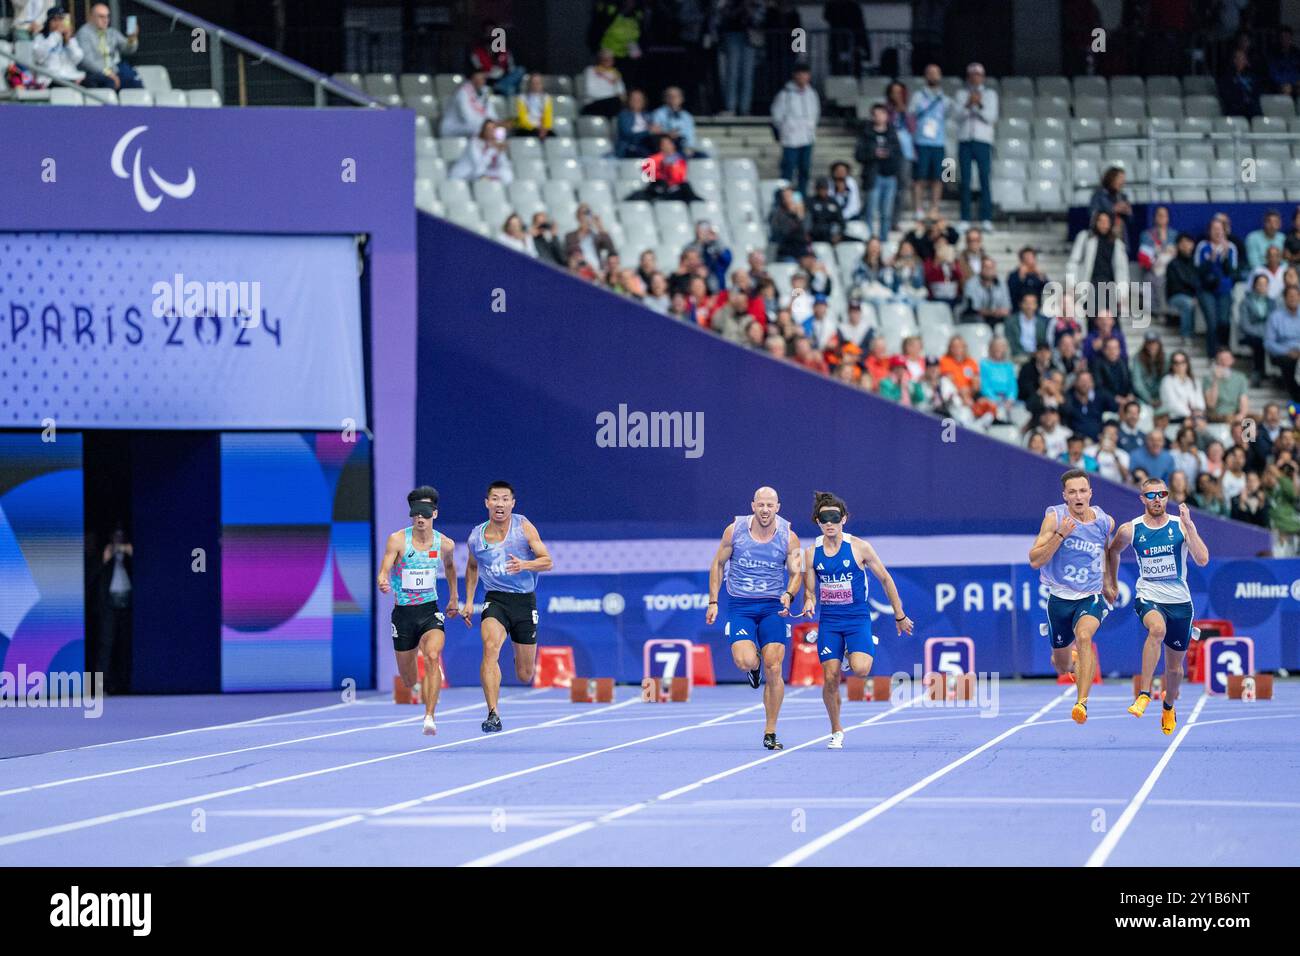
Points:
[(1155, 495)]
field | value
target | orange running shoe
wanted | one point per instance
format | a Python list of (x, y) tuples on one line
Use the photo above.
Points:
[(1080, 712), (1167, 720), (1139, 706)]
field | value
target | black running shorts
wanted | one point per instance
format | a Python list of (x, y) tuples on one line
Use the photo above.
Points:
[(517, 613), (410, 621)]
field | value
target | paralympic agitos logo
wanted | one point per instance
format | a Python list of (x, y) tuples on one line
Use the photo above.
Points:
[(148, 201)]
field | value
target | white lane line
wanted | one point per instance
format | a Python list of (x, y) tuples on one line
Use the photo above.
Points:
[(27, 835), (253, 845), (1233, 720), (1102, 853), (796, 857), (227, 753), (528, 846)]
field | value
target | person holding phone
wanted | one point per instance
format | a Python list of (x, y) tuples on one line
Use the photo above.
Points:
[(103, 47)]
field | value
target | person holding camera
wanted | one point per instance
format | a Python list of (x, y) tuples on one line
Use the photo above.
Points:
[(590, 239), (57, 50), (485, 157), (545, 241)]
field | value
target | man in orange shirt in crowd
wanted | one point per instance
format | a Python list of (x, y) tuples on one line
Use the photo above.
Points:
[(964, 372)]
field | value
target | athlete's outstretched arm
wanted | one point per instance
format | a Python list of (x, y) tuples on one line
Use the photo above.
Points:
[(449, 572), (471, 583), (1110, 581), (793, 565), (1196, 546), (1049, 539), (809, 585), (542, 561), (722, 556), (866, 554), (392, 551)]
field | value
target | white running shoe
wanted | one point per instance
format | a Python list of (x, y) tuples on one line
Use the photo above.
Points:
[(837, 741), (430, 728)]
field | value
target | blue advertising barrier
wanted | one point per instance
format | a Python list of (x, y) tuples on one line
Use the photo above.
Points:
[(608, 618)]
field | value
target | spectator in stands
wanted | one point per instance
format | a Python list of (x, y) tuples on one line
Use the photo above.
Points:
[(825, 215), (1110, 371), (1183, 285), (1098, 257), (485, 157), (674, 120), (514, 235), (878, 358), (755, 337), (1209, 496), (774, 345), (971, 259), (469, 108), (1055, 435), (957, 366), (808, 357), (612, 273), (1062, 326), (1233, 238), (1180, 491), (1261, 240), (941, 275), (1179, 393), (605, 90), (1233, 480), (855, 330), (928, 232), (1225, 389), (850, 45), (845, 191), (580, 267), (872, 279), (1026, 329), (1153, 458), (998, 378), (102, 47), (57, 50), (1084, 406), (908, 272), (31, 18), (757, 261), (1130, 436), (976, 109), (616, 26), (1274, 270), (1218, 265), (1252, 323), (657, 297), (929, 108), (733, 319), (668, 172), (634, 129), (647, 265), (985, 296), (1239, 88), (1031, 373), (1110, 197), (904, 125), (1036, 443), (789, 227), (1251, 506), (914, 355), (534, 109), (1025, 277), (1282, 339), (796, 111), (740, 24), (1075, 455), (590, 238), (1284, 65), (1187, 457), (1112, 461), (880, 154), (715, 256), (1291, 247), (491, 56), (898, 386), (819, 277), (1156, 249), (1103, 330)]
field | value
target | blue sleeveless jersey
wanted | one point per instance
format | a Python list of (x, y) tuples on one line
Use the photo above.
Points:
[(492, 558), (841, 583), (1075, 571), (1162, 562), (757, 569), (415, 573)]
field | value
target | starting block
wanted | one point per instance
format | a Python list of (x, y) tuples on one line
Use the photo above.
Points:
[(1250, 687), (1157, 687), (1096, 666), (805, 665), (555, 667), (869, 688), (591, 690), (939, 685), (676, 690), (702, 666)]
